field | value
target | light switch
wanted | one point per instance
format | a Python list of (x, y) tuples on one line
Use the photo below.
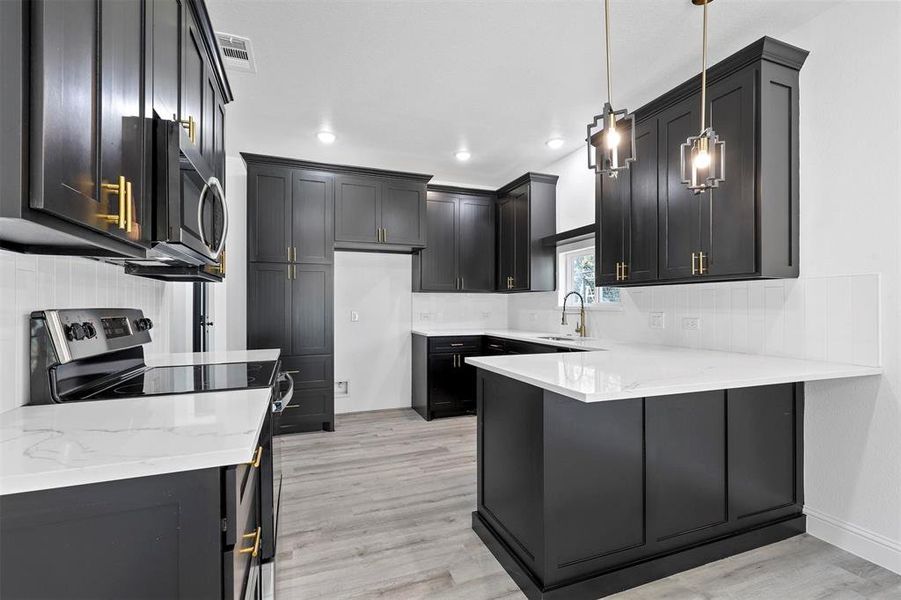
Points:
[(354, 316), (691, 323), (657, 320)]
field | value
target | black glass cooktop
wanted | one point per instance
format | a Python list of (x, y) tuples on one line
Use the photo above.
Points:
[(186, 379)]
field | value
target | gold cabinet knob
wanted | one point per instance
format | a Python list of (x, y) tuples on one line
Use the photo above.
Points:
[(191, 125)]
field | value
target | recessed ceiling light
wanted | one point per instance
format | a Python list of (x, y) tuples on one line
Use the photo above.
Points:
[(326, 137), (554, 143), (462, 155)]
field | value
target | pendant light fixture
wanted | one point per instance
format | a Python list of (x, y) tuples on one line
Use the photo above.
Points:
[(607, 153), (703, 155)]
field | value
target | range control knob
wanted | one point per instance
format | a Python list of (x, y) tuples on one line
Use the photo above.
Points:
[(89, 330), (143, 324), (75, 331)]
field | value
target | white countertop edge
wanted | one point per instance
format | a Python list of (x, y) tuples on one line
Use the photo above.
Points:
[(683, 388), (536, 337), (125, 470)]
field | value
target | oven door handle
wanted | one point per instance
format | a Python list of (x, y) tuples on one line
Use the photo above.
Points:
[(281, 403)]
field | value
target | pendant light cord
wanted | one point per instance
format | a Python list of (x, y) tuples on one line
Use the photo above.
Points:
[(607, 40), (704, 73)]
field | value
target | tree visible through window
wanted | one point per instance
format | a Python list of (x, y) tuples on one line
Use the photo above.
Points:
[(576, 272)]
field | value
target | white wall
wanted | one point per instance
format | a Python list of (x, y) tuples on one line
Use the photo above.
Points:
[(29, 282), (373, 355), (460, 311), (850, 224)]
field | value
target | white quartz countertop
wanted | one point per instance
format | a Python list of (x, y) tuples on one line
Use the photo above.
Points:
[(199, 358), (571, 341), (59, 445), (637, 371)]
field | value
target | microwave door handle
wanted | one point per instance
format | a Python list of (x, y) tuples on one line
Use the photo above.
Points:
[(221, 195)]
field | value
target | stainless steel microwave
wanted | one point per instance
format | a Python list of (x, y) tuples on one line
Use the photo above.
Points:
[(190, 216)]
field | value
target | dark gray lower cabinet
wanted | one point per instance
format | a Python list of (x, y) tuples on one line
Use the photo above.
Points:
[(443, 384), (581, 500), (177, 535)]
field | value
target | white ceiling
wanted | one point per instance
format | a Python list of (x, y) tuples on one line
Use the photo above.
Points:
[(404, 84)]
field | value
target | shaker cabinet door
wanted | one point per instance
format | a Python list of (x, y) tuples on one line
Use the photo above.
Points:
[(506, 242), (678, 207), (476, 243), (269, 204), (403, 218), (269, 306), (641, 242), (729, 223), (357, 209), (438, 261), (87, 122), (311, 309), (612, 223), (313, 217)]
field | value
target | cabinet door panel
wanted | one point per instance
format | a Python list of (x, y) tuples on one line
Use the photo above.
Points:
[(311, 309), (612, 221), (167, 28), (439, 259), (641, 244), (206, 134), (686, 464), (122, 147), (762, 425), (313, 217), (506, 241), (268, 213), (522, 257), (193, 84), (678, 207), (357, 206), (476, 246), (729, 233), (403, 213), (443, 382), (269, 306)]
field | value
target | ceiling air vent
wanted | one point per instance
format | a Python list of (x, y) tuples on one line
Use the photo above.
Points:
[(237, 52)]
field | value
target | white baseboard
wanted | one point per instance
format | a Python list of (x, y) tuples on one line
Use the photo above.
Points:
[(866, 544)]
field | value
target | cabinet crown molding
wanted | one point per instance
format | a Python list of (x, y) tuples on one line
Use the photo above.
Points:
[(251, 158), (766, 48), (528, 178)]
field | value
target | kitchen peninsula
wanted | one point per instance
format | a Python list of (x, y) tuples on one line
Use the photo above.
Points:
[(600, 471)]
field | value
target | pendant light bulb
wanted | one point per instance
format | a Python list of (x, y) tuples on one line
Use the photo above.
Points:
[(613, 138), (607, 154), (702, 160)]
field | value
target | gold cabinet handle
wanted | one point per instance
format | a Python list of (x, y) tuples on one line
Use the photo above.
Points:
[(702, 262), (293, 253), (255, 549), (293, 271), (288, 274), (617, 270), (257, 457), (694, 260), (385, 235), (128, 207), (288, 252), (191, 125), (121, 190), (624, 271)]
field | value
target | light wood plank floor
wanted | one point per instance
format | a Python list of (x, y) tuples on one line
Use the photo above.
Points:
[(381, 509)]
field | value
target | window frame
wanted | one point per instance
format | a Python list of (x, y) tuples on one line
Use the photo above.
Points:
[(565, 254)]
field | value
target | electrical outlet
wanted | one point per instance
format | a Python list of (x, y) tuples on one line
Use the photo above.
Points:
[(486, 316), (424, 316), (341, 388), (354, 316), (691, 323), (657, 320), (533, 316)]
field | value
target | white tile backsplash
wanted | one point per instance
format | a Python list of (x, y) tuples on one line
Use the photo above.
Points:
[(30, 282), (458, 311), (834, 318)]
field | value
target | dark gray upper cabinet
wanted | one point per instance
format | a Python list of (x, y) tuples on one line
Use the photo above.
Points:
[(403, 219), (83, 80), (312, 217), (747, 227), (526, 213), (460, 253), (87, 117), (357, 209)]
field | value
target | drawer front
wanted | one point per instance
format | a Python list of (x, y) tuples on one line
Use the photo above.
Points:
[(517, 347), (494, 345), (314, 371), (307, 403), (240, 559), (455, 344), (241, 488)]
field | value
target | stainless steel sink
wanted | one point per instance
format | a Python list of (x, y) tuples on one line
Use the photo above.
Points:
[(564, 338)]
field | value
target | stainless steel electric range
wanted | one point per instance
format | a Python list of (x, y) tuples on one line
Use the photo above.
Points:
[(97, 354)]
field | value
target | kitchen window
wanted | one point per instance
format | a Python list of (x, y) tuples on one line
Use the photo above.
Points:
[(575, 272)]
